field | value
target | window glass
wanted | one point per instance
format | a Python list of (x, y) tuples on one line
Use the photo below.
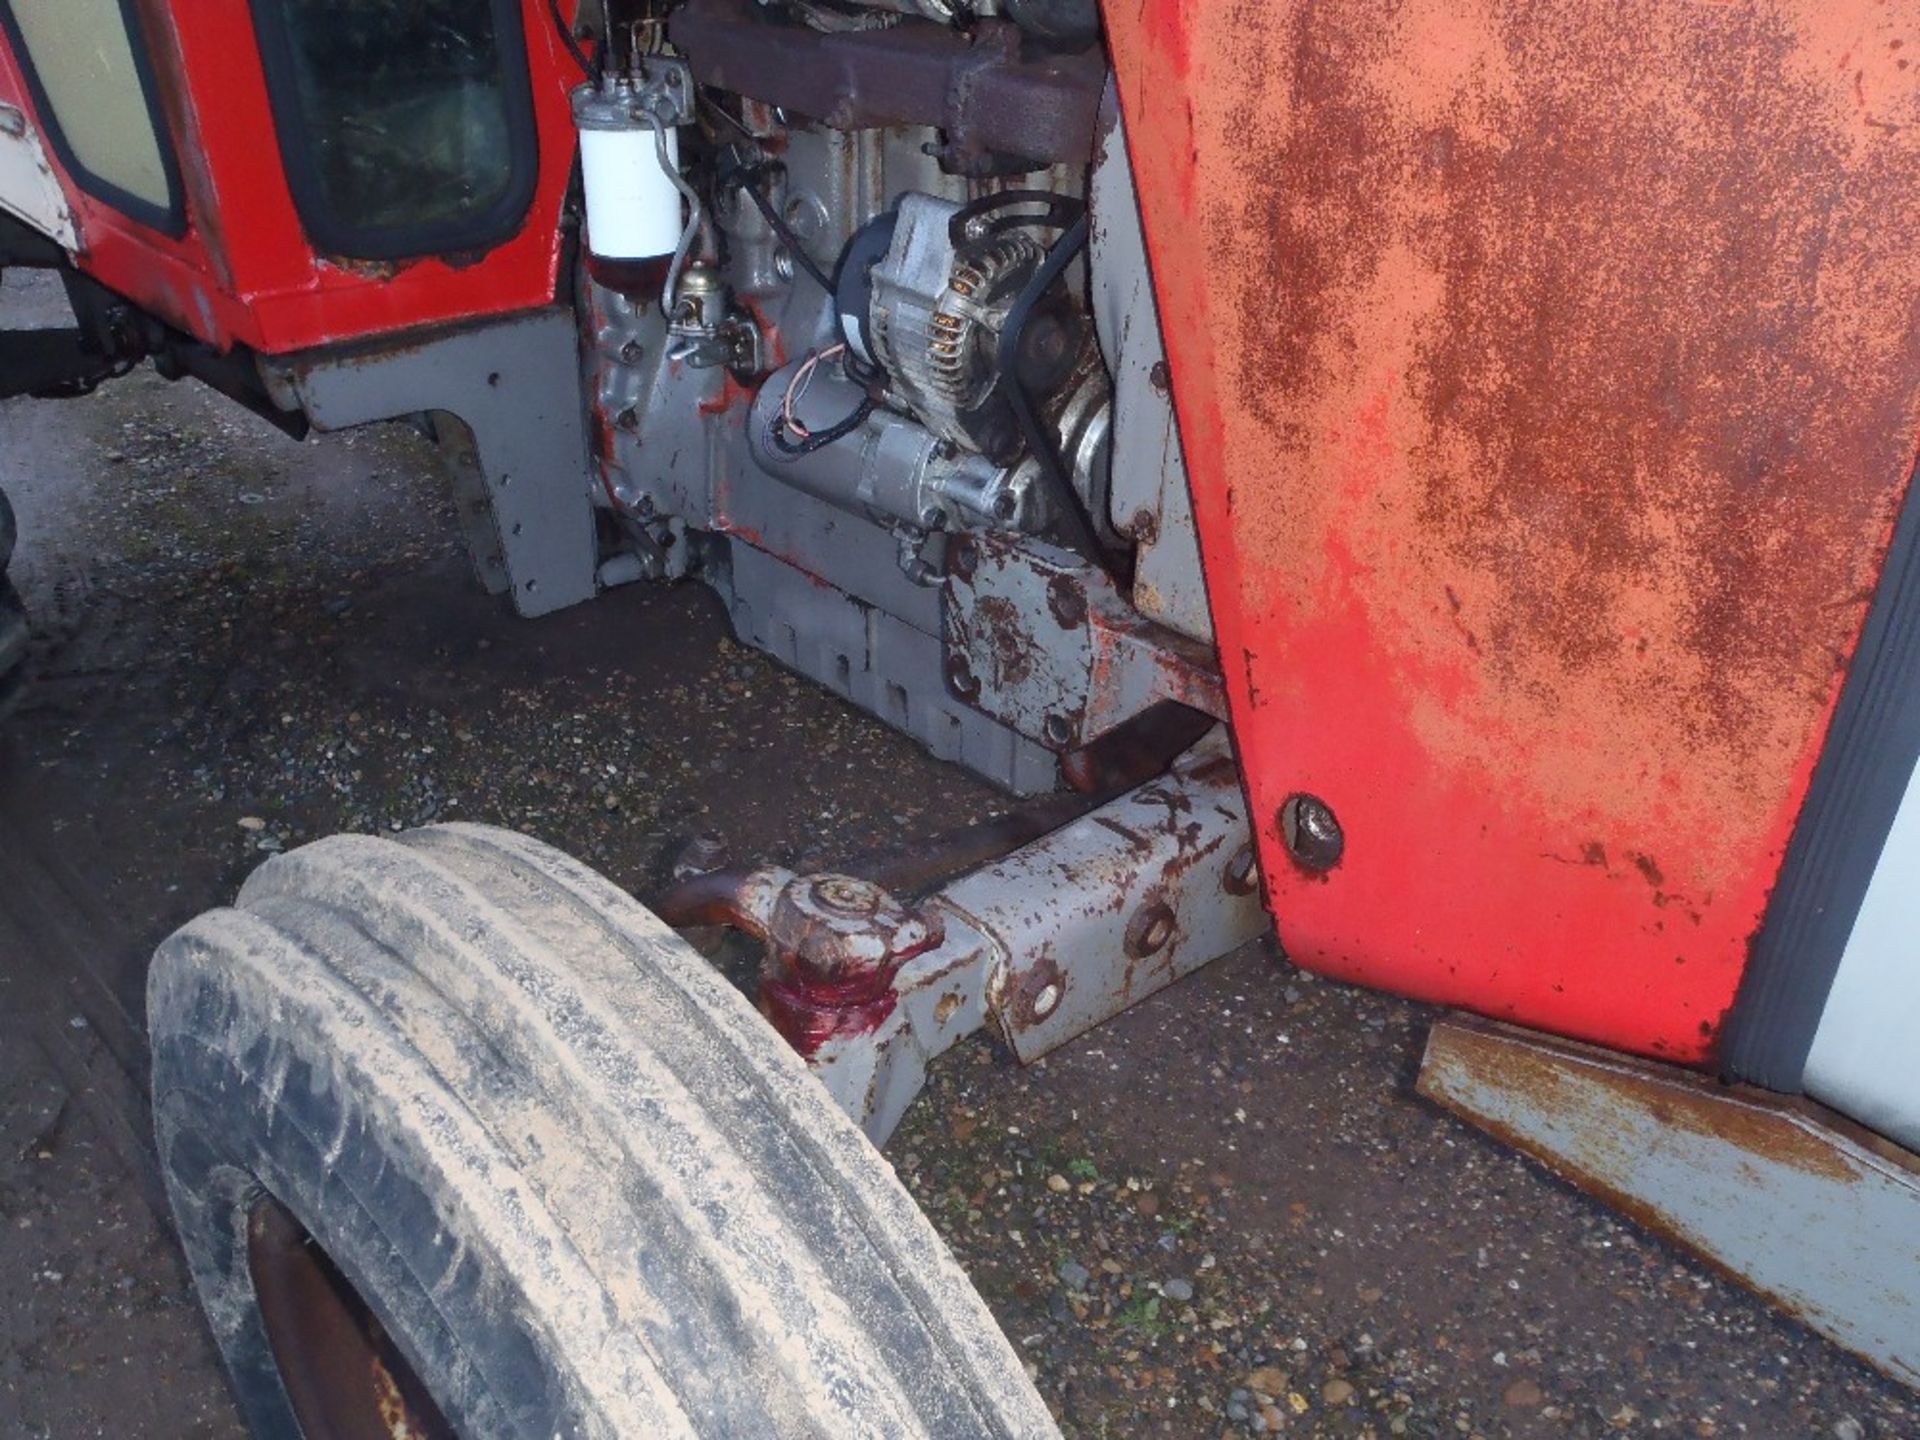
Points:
[(82, 55), (404, 108)]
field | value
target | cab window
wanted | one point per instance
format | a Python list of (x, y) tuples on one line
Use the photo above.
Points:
[(406, 126), (87, 73)]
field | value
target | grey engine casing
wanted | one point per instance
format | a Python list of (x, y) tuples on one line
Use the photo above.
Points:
[(818, 567)]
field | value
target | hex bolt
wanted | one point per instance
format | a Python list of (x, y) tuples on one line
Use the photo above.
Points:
[(1242, 875), (1150, 929), (961, 679), (1312, 833), (1046, 1002), (632, 351), (844, 895)]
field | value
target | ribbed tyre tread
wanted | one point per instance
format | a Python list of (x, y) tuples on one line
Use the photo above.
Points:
[(13, 617), (9, 532), (651, 1220), (13, 645)]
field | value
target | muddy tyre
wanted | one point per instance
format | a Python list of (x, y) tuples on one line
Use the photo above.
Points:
[(13, 619), (451, 1126)]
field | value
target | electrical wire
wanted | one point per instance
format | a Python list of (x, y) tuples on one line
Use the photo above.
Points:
[(797, 388), (809, 439), (748, 178), (819, 439), (787, 236)]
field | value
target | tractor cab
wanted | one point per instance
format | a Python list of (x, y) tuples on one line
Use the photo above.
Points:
[(236, 179)]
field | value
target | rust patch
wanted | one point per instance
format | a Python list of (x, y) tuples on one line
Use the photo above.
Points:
[(1067, 600), (1591, 344), (1012, 649), (1547, 382), (1540, 1078), (1775, 1131)]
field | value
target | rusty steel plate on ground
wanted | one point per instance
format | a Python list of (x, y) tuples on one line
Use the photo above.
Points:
[(1816, 1214)]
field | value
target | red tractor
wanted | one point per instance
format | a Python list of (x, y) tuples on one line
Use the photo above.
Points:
[(1432, 478)]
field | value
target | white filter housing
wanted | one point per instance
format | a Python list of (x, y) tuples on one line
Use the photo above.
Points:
[(633, 205)]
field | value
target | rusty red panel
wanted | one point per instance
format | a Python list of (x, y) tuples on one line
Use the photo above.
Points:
[(1547, 375)]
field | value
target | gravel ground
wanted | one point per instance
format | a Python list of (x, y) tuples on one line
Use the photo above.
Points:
[(1224, 1214)]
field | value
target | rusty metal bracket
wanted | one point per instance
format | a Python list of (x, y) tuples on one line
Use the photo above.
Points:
[(1815, 1214), (1046, 643), (1106, 911), (1046, 942), (515, 383)]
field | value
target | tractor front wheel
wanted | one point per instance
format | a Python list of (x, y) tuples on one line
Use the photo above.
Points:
[(13, 618), (461, 1140)]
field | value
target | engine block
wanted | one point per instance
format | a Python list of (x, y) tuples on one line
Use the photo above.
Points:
[(868, 346)]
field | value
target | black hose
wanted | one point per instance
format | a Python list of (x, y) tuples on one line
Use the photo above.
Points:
[(750, 182), (747, 177), (1083, 538), (566, 38)]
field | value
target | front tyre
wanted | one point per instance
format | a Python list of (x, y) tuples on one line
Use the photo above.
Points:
[(13, 619), (460, 1138)]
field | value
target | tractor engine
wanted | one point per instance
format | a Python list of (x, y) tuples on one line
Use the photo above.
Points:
[(868, 302)]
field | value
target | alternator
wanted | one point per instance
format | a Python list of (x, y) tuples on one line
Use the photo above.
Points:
[(931, 316)]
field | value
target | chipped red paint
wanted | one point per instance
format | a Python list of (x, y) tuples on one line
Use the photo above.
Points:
[(773, 343), (808, 1020), (732, 396), (1547, 381), (834, 944), (244, 272)]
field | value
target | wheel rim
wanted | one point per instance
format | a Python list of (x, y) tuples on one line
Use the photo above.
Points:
[(344, 1375)]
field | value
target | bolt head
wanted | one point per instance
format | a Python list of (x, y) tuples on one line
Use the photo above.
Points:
[(844, 895), (1312, 833), (961, 680), (1242, 875)]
